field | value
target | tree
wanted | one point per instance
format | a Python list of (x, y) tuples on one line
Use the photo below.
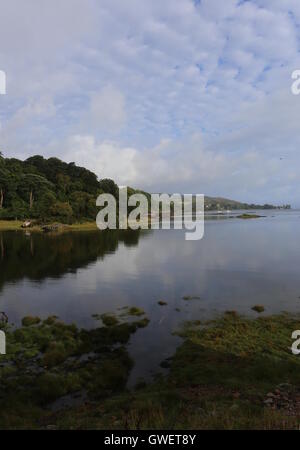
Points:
[(49, 188), (109, 186), (63, 182), (32, 185), (62, 210)]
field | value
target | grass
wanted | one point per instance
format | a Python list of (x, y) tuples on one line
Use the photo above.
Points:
[(84, 226), (218, 378), (15, 225), (8, 225)]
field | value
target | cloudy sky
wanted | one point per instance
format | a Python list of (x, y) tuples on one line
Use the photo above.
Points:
[(173, 95)]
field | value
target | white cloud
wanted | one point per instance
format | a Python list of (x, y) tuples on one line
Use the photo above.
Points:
[(149, 76), (105, 158), (187, 166), (106, 111)]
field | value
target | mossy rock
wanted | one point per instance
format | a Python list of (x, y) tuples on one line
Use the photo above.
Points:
[(162, 303), (109, 320), (143, 323), (135, 311)]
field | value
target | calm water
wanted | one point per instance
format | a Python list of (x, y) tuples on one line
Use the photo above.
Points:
[(238, 264)]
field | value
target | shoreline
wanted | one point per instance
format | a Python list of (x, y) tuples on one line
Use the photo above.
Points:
[(228, 373), (16, 225)]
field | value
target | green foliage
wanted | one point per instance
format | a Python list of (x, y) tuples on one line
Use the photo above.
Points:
[(49, 189), (109, 186), (29, 320)]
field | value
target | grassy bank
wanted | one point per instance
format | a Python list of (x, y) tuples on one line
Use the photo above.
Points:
[(230, 373), (16, 225), (7, 225), (85, 226)]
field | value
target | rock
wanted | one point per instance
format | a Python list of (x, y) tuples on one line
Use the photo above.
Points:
[(269, 401), (162, 303), (26, 224)]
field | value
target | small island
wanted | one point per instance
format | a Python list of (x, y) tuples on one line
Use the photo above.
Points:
[(249, 216)]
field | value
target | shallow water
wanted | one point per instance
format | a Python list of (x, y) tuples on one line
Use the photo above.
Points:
[(238, 263)]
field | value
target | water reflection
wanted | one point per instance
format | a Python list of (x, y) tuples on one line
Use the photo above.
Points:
[(238, 264), (37, 256)]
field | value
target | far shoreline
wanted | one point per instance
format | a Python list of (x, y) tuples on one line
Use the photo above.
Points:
[(16, 225)]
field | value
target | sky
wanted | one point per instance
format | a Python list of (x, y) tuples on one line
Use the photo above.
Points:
[(189, 96)]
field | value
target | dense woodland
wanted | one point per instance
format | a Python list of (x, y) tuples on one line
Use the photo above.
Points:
[(49, 189)]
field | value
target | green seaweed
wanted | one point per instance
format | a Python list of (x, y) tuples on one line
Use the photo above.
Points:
[(51, 359), (133, 311), (109, 320)]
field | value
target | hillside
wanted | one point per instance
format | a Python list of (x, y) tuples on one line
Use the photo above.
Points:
[(217, 203), (48, 189)]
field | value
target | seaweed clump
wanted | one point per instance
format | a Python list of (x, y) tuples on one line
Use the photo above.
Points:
[(49, 360)]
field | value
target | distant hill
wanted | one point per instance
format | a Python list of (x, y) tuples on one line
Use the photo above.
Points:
[(220, 203)]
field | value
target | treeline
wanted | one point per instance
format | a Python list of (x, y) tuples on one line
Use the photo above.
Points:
[(49, 189), (219, 203)]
